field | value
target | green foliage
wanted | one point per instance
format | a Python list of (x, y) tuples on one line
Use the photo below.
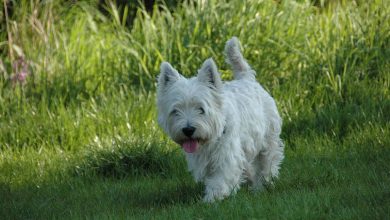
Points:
[(79, 138), (122, 158)]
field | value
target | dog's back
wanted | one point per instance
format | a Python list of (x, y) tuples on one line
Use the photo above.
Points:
[(260, 123)]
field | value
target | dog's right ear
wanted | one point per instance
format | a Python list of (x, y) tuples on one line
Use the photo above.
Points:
[(168, 75), (209, 74)]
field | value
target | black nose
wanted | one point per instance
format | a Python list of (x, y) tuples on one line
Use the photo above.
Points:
[(188, 131)]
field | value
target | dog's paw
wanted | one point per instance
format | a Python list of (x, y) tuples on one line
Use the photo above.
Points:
[(210, 198), (215, 194)]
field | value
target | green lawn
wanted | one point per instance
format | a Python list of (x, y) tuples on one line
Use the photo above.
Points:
[(79, 139)]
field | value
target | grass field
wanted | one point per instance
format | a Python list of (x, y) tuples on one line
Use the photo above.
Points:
[(78, 131)]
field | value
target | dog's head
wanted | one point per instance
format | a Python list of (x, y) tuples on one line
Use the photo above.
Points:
[(190, 110)]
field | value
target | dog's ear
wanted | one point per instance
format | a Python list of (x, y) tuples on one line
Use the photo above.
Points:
[(168, 75), (209, 74)]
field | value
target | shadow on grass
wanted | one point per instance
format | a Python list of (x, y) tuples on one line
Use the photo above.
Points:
[(120, 180), (164, 174), (171, 193), (90, 194), (81, 196), (123, 160), (337, 120)]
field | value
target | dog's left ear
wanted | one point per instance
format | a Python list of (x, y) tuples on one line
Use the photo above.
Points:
[(209, 74), (168, 75)]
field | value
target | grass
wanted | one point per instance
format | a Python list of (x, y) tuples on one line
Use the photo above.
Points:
[(79, 137)]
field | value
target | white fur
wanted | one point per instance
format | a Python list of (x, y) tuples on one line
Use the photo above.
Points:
[(237, 124)]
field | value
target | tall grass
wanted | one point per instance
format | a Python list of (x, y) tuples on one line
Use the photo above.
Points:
[(308, 58)]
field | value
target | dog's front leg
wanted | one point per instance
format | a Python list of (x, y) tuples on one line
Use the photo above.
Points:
[(222, 184)]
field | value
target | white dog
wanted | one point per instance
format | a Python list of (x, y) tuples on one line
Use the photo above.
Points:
[(229, 131)]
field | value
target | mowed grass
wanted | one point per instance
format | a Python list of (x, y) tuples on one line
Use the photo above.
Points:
[(79, 139), (338, 184)]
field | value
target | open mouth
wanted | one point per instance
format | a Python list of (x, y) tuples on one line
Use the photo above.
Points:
[(190, 145)]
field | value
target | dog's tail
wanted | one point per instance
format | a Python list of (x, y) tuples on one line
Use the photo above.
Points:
[(234, 58)]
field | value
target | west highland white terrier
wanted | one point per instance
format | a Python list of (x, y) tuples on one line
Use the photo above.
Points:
[(228, 130)]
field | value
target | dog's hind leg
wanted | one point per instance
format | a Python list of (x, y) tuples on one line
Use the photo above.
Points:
[(267, 163)]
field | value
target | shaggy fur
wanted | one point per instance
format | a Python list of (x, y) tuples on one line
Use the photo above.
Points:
[(229, 131)]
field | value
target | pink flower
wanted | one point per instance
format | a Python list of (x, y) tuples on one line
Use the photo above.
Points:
[(20, 68)]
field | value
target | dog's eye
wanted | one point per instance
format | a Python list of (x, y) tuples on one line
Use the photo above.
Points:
[(174, 112), (201, 110)]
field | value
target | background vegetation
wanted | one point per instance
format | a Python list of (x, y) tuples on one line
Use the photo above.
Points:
[(78, 135)]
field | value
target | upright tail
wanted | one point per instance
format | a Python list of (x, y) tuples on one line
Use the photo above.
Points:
[(234, 58)]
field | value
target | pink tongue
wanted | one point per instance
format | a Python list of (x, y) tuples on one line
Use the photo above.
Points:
[(190, 146)]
